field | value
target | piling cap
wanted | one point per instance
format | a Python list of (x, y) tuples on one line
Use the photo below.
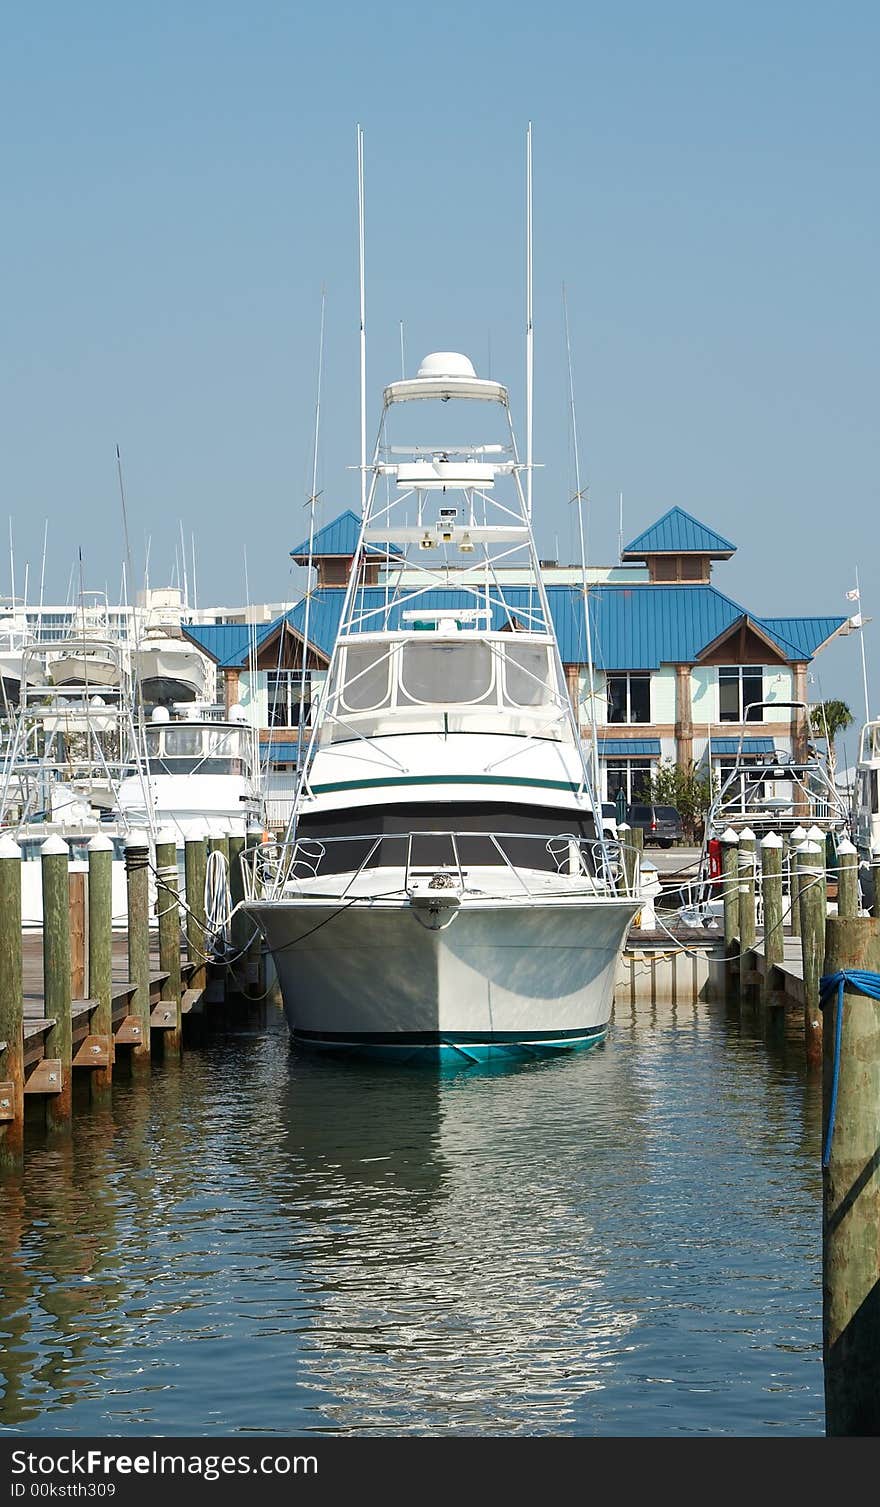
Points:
[(747, 835), (772, 840), (137, 840), (808, 847), (798, 834), (846, 847), (54, 845), (816, 834), (99, 844), (730, 836), (623, 827), (9, 847), (166, 835)]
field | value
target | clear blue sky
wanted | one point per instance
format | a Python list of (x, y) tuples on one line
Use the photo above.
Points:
[(178, 182)]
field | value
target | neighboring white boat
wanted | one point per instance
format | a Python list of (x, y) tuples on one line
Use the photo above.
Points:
[(446, 892), (170, 668), (200, 774), (14, 640), (866, 807)]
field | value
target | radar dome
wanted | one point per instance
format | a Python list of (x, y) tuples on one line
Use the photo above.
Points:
[(446, 364), (160, 714), (237, 713)]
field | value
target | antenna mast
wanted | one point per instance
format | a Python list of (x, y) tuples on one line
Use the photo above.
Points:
[(529, 332), (361, 271), (312, 501), (594, 730)]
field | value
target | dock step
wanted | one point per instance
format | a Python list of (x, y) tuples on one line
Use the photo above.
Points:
[(164, 1015), (93, 1052), (46, 1077), (131, 1032)]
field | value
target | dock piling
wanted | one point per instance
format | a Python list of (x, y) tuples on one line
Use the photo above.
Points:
[(730, 892), (168, 912), (11, 1006), (101, 957), (811, 898), (195, 865), (795, 841), (851, 1188), (137, 874), (747, 924), (771, 889), (847, 880), (55, 865)]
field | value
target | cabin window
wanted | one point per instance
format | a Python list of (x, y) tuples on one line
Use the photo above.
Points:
[(526, 671), (367, 677), (739, 687), (285, 687), (629, 697), (183, 741), (449, 674), (875, 792)]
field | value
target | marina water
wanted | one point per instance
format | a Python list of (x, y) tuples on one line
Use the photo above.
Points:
[(625, 1241)]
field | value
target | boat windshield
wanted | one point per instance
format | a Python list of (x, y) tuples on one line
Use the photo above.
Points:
[(185, 749), (446, 674)]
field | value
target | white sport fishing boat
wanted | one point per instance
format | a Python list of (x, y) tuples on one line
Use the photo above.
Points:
[(197, 774), (445, 891)]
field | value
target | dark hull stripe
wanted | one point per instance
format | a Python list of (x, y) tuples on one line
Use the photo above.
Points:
[(445, 779)]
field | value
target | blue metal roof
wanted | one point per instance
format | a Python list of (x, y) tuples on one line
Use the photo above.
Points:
[(279, 753), (340, 537), (633, 627), (749, 745), (677, 533), (228, 643), (804, 634), (629, 748)]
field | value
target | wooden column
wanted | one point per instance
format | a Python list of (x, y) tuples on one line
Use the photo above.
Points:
[(101, 958), (771, 892), (195, 862), (796, 838), (230, 688), (684, 723), (747, 926), (811, 872), (11, 1006), (168, 912), (54, 859), (137, 874), (851, 1190), (847, 880)]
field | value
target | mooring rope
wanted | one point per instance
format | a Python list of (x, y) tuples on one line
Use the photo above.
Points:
[(829, 984)]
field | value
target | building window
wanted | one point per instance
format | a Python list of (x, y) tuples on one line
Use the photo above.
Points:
[(285, 689), (629, 697), (739, 687), (632, 776)]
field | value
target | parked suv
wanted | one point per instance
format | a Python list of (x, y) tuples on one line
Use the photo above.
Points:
[(660, 824)]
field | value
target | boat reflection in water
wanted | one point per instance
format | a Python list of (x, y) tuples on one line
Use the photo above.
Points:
[(445, 1225)]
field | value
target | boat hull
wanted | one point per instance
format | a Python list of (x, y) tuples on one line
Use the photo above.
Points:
[(496, 980)]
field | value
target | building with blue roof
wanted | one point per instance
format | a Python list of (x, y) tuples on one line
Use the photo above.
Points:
[(679, 666)]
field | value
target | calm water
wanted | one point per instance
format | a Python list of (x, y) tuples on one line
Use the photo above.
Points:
[(624, 1242)]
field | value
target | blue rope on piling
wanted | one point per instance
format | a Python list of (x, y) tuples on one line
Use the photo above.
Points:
[(863, 983)]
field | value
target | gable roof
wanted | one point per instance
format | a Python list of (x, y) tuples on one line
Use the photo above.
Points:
[(678, 533), (227, 643), (340, 537)]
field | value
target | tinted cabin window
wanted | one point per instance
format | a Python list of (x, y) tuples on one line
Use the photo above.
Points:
[(367, 677), (525, 674), (449, 674)]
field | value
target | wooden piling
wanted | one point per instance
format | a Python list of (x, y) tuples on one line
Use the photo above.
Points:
[(54, 860), (11, 1006), (851, 1190), (811, 872), (168, 912), (730, 893), (771, 889), (195, 864), (242, 928), (796, 838), (101, 958), (747, 924), (255, 971), (847, 880), (137, 875)]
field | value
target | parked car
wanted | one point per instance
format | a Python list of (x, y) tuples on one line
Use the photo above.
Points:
[(660, 824)]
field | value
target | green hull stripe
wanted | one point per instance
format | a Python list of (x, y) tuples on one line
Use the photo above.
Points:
[(445, 779)]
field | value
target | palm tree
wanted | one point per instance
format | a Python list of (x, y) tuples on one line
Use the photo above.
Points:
[(828, 719)]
